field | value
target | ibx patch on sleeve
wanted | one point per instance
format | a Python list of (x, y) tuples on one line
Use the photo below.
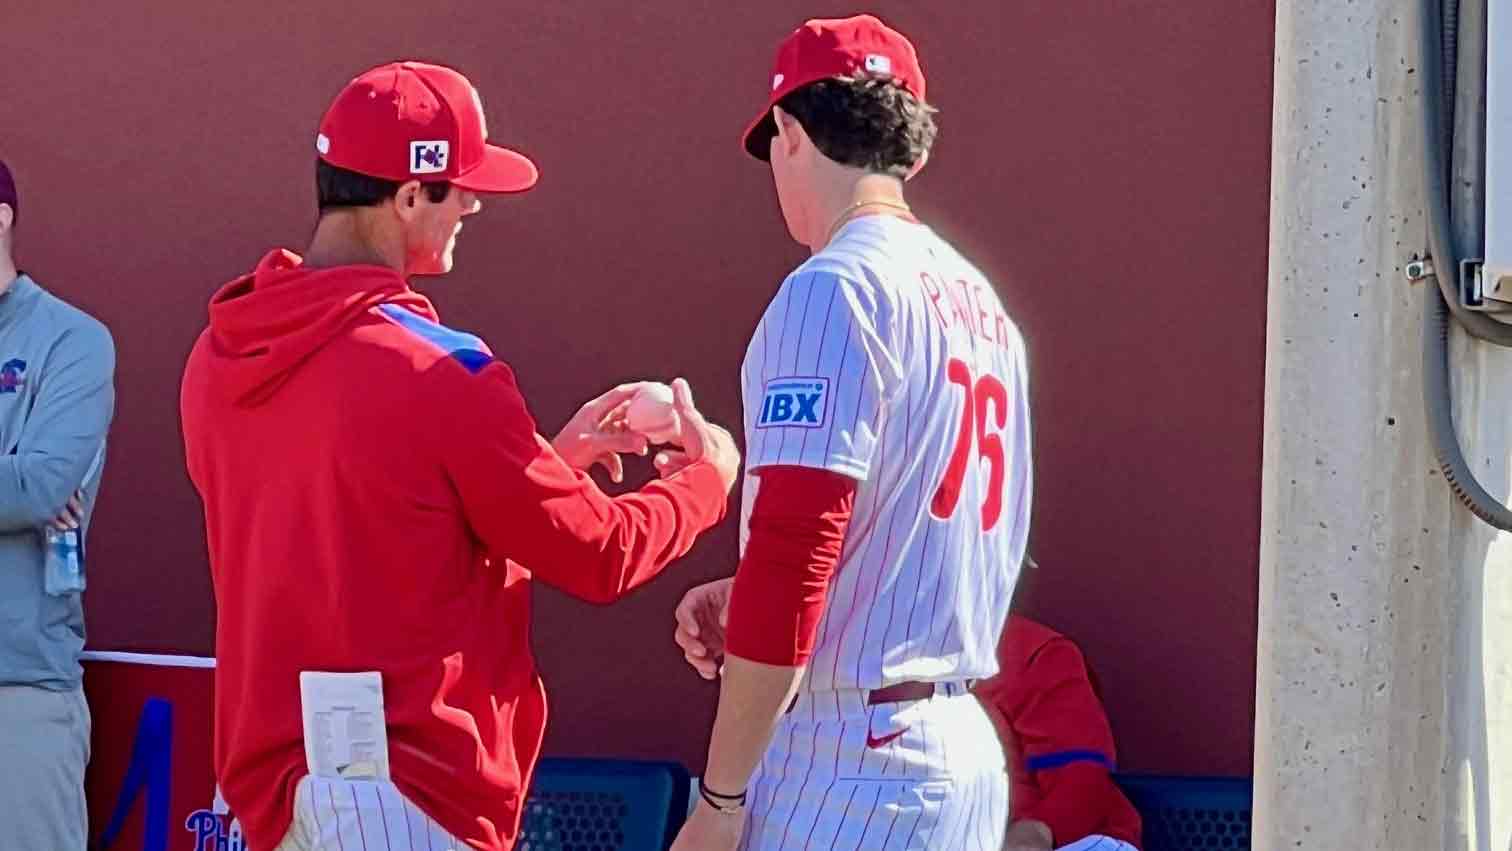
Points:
[(796, 402)]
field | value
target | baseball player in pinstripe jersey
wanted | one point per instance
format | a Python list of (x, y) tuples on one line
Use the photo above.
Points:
[(886, 503)]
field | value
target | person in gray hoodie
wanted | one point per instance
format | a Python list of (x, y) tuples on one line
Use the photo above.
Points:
[(57, 396)]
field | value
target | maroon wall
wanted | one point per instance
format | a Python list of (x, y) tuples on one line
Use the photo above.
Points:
[(1106, 164)]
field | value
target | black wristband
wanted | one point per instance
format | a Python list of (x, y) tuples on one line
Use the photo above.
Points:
[(721, 802)]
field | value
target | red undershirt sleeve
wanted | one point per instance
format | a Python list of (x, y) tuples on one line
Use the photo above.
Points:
[(797, 530)]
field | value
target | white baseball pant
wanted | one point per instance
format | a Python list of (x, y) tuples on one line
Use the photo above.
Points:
[(844, 776), (361, 815)]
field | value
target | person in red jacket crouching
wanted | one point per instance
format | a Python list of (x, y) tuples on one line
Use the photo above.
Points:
[(1059, 745)]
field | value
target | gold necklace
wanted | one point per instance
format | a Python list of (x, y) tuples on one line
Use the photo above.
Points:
[(876, 202)]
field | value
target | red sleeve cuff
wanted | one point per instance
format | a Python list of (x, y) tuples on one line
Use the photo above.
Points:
[(797, 530), (699, 493)]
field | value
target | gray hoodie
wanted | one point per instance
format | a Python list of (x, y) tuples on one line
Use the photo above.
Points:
[(57, 395)]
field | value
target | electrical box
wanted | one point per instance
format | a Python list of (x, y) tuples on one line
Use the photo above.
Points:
[(1496, 273)]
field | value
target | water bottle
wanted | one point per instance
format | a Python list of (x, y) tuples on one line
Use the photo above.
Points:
[(63, 562)]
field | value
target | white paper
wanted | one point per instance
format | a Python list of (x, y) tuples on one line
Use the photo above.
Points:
[(345, 731)]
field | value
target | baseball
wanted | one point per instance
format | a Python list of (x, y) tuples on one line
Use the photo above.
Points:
[(651, 414)]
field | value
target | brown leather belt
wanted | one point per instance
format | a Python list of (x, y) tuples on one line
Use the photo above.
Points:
[(901, 692)]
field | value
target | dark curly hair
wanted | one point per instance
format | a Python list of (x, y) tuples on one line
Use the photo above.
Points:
[(870, 123)]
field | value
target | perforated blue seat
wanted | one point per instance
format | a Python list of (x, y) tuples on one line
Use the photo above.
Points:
[(1191, 813), (604, 805)]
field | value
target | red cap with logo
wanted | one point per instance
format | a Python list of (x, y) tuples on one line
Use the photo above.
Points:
[(413, 121), (823, 49)]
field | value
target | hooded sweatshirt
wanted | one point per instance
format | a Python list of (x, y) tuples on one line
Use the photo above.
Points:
[(1056, 732), (377, 499)]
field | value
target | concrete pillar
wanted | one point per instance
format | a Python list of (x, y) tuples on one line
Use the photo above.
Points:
[(1385, 644), (1354, 570)]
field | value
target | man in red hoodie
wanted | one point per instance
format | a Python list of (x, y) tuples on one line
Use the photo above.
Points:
[(377, 497), (1059, 745)]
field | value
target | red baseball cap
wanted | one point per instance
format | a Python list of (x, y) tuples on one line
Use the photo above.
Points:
[(823, 49), (414, 121)]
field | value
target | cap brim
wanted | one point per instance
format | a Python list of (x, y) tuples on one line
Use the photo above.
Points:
[(502, 170), (758, 137)]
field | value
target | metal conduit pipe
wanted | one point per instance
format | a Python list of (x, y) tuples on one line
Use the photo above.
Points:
[(1438, 39)]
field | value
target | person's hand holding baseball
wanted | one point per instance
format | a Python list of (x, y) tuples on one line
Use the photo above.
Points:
[(701, 441), (596, 434)]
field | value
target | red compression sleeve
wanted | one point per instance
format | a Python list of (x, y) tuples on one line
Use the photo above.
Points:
[(797, 529)]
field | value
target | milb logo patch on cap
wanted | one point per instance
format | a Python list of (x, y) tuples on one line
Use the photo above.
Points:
[(429, 157), (794, 403)]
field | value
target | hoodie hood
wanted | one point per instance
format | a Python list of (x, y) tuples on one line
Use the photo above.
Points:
[(264, 325)]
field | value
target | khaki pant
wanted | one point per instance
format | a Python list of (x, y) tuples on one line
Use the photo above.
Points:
[(44, 746)]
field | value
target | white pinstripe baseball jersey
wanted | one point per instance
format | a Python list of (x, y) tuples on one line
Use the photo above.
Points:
[(887, 357)]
